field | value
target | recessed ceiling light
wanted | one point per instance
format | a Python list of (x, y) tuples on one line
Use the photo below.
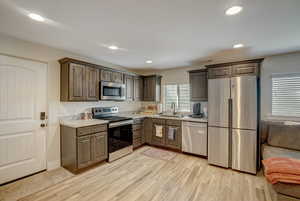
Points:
[(36, 17), (234, 10), (149, 62), (113, 47), (238, 45)]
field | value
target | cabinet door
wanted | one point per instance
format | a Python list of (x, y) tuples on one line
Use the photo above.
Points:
[(99, 147), (117, 77), (92, 83), (129, 87), (220, 72), (173, 137), (84, 156), (147, 128), (245, 69), (156, 138), (198, 85), (138, 89), (106, 75), (149, 88), (77, 82)]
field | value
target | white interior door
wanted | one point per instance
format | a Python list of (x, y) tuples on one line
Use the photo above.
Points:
[(23, 92)]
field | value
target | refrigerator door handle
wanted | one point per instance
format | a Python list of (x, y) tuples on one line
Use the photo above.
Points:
[(230, 113), (230, 131)]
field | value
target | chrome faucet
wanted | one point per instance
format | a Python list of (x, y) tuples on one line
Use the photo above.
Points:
[(173, 107)]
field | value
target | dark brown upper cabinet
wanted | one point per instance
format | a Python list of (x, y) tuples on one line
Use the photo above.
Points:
[(79, 82), (138, 88), (240, 68), (198, 85), (152, 88), (129, 87), (117, 77), (111, 76), (106, 75), (92, 83)]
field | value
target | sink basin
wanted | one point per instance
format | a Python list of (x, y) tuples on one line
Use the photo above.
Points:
[(171, 115)]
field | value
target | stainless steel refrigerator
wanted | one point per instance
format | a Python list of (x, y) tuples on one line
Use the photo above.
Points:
[(232, 123)]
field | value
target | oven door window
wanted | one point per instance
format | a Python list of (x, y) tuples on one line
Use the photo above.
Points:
[(112, 91), (119, 137)]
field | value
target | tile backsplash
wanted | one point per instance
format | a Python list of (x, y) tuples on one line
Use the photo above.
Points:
[(73, 108)]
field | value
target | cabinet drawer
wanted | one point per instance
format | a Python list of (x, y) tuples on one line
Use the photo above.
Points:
[(91, 129), (137, 134), (158, 121), (136, 127), (172, 122)]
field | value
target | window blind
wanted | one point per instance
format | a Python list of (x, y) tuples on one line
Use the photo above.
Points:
[(286, 95), (184, 97), (178, 94)]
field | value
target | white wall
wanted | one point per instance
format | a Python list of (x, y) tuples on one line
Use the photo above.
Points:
[(28, 50), (288, 63)]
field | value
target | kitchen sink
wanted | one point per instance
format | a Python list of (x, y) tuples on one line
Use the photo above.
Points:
[(172, 115)]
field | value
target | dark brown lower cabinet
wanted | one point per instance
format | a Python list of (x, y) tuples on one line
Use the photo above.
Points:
[(84, 151), (82, 147), (138, 133), (171, 133), (173, 137)]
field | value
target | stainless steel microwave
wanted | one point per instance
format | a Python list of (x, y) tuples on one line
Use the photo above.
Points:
[(112, 91)]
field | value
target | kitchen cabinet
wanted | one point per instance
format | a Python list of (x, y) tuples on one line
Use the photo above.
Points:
[(79, 82), (198, 85), (84, 151), (147, 127), (129, 84), (220, 72), (117, 77), (106, 75), (158, 138), (92, 83), (152, 88), (112, 76), (245, 69), (138, 88), (240, 68), (138, 133), (84, 146), (170, 136), (173, 134)]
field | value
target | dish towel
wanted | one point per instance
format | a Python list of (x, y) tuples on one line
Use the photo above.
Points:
[(158, 131), (171, 133)]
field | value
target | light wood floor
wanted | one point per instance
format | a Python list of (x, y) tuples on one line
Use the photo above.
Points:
[(137, 177)]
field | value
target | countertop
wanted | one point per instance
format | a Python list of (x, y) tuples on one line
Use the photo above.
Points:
[(138, 116), (81, 123), (74, 123)]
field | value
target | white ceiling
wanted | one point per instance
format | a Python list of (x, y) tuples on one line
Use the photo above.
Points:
[(172, 33)]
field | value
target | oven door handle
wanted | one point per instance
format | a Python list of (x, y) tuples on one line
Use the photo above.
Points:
[(120, 123)]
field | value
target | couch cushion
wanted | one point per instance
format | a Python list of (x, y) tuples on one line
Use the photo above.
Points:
[(270, 151), (287, 189), (284, 136)]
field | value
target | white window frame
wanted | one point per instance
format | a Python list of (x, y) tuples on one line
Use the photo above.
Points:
[(177, 98), (288, 114)]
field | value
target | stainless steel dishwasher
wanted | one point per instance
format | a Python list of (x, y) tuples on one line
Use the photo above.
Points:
[(194, 138)]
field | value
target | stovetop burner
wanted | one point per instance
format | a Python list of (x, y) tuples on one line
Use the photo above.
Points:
[(108, 113)]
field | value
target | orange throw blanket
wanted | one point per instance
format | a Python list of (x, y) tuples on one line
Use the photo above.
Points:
[(286, 170)]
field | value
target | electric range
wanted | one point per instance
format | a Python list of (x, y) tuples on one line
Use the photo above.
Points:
[(119, 131)]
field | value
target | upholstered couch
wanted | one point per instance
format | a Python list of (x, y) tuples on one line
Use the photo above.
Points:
[(280, 140)]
